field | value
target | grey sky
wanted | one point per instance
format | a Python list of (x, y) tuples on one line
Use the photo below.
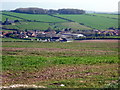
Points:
[(91, 5)]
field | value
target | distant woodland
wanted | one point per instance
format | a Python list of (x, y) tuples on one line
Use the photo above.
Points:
[(50, 11)]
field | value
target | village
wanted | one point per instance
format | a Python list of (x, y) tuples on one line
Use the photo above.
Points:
[(50, 35), (59, 44)]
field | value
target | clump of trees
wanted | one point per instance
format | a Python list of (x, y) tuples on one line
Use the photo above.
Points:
[(70, 11), (31, 10), (50, 11)]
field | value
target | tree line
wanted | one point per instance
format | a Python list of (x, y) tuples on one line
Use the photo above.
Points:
[(48, 11)]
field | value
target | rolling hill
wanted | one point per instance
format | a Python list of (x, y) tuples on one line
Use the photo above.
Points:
[(60, 21)]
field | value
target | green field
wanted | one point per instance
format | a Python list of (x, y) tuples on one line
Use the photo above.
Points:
[(93, 21), (79, 64), (115, 16), (45, 26), (28, 26), (38, 17), (10, 18), (72, 25)]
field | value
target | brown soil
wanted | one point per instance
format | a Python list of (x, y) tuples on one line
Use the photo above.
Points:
[(59, 73)]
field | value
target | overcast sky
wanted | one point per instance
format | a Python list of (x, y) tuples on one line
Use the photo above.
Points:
[(89, 5)]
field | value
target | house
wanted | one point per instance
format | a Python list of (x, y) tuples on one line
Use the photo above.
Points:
[(22, 36), (42, 40), (10, 22), (50, 33), (0, 22)]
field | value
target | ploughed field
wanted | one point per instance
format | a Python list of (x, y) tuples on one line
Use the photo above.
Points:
[(78, 64)]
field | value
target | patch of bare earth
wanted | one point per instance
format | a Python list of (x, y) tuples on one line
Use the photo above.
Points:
[(63, 72), (108, 41), (52, 49)]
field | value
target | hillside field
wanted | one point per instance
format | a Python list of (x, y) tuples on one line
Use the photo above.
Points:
[(96, 22), (28, 26), (79, 64), (58, 22), (38, 17)]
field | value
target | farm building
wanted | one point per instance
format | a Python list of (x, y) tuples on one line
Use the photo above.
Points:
[(59, 39), (78, 35), (71, 35)]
